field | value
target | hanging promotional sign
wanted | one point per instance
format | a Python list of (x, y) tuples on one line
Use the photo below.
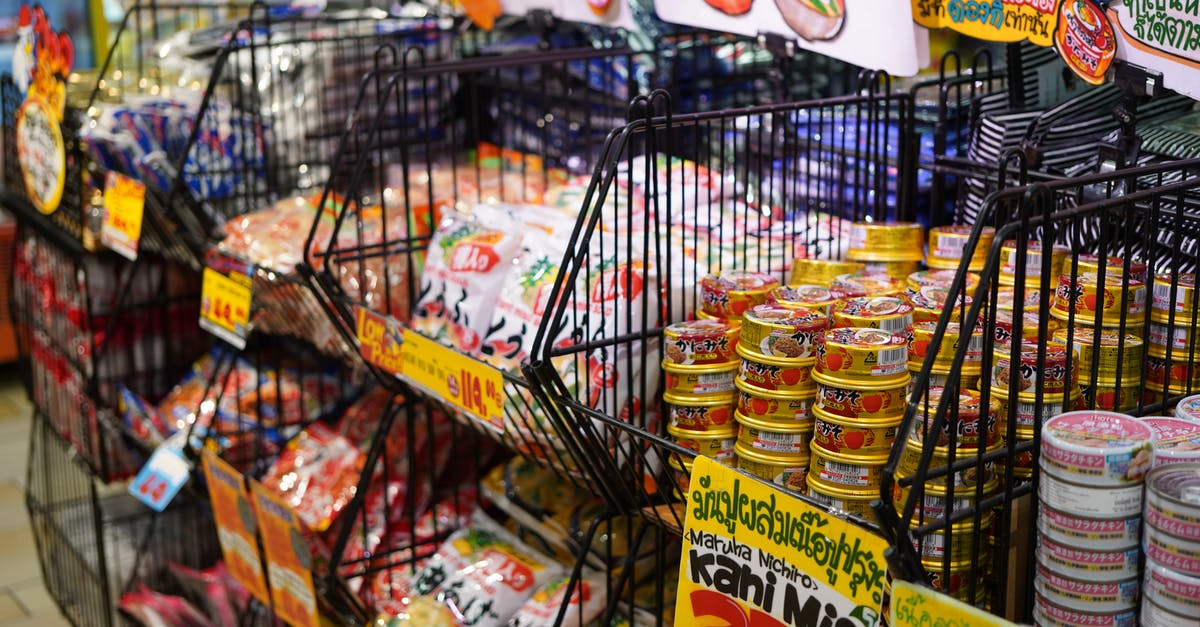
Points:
[(918, 606), (237, 529), (41, 63), (1084, 39), (289, 563), (756, 555), (862, 32), (991, 20), (1161, 35)]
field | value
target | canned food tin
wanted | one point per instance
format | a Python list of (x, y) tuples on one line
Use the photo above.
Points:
[(731, 294), (1047, 614), (947, 243), (787, 471), (1115, 266), (1088, 299), (700, 413), (714, 444), (1111, 398), (1183, 301), (956, 581), (786, 333), (1098, 448), (1006, 298), (886, 241), (1087, 501), (1022, 468), (1005, 329), (821, 271), (967, 477), (733, 322), (1178, 440), (1086, 595), (866, 401), (939, 377), (700, 342), (1053, 378), (1034, 253), (1183, 375), (856, 285), (1098, 534), (963, 541), (774, 438), (699, 380), (833, 496), (1182, 338), (803, 296), (938, 278), (1028, 416), (922, 336), (1077, 563), (886, 313), (1180, 555), (859, 436), (1171, 590), (894, 269), (846, 469), (1107, 349), (774, 406), (936, 504), (970, 425), (851, 353), (1155, 615), (776, 375), (1188, 408), (1173, 500)]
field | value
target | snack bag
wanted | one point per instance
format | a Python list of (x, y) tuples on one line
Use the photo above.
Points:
[(522, 303), (154, 609), (317, 474), (588, 599)]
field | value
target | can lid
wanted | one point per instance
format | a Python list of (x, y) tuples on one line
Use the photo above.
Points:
[(873, 306), (1177, 482), (1189, 407), (1175, 433), (783, 362), (803, 294), (1093, 431), (699, 329), (738, 280), (773, 314)]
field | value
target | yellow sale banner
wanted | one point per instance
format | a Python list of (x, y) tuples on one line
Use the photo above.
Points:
[(918, 606), (991, 20), (756, 555)]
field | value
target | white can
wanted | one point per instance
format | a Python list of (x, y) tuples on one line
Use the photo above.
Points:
[(1178, 439), (1097, 448), (1087, 501), (1180, 555), (1173, 500), (1084, 595), (1088, 565), (1048, 614), (1114, 534), (1155, 615), (1189, 407), (1173, 591)]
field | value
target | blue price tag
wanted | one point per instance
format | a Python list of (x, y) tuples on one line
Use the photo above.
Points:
[(161, 478)]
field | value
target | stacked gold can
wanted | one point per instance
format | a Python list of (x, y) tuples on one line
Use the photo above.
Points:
[(822, 271), (947, 244), (1035, 253), (920, 351), (1109, 355), (1057, 381), (778, 349), (1172, 336), (892, 248), (862, 380)]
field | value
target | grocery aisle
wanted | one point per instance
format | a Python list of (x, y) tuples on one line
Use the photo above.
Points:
[(23, 598)]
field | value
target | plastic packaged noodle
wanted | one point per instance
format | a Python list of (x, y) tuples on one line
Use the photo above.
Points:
[(587, 601), (317, 474)]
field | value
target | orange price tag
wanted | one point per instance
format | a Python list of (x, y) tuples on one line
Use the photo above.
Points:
[(225, 305), (472, 386), (236, 524), (380, 340), (124, 202), (289, 561)]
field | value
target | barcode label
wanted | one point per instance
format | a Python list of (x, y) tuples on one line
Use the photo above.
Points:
[(1162, 297), (950, 247), (778, 442), (1033, 263), (1158, 335), (896, 325), (846, 474), (975, 348), (893, 356)]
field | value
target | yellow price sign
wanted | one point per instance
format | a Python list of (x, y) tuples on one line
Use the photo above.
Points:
[(124, 203), (237, 529), (918, 606), (289, 560), (225, 305), (472, 386)]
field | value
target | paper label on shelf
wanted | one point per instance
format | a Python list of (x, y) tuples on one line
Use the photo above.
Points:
[(289, 561), (754, 554), (860, 32), (1162, 36), (991, 20), (913, 606), (124, 201), (161, 478), (471, 385), (41, 61), (380, 340), (225, 300), (236, 525)]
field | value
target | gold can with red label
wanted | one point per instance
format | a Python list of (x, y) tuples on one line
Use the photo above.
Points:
[(842, 498), (789, 472), (774, 438), (948, 243), (821, 271), (730, 294), (774, 406), (733, 322), (1006, 298), (1107, 348), (1109, 397), (783, 332), (845, 469), (966, 477), (1034, 255), (858, 353), (970, 424), (699, 380), (1088, 299), (1053, 378), (892, 314), (929, 301), (854, 400), (700, 413), (772, 374), (939, 278), (1005, 329), (857, 436), (700, 342), (1169, 294), (714, 444), (1115, 266), (886, 241), (895, 269), (854, 285), (1027, 415), (922, 336), (1183, 374), (804, 296)]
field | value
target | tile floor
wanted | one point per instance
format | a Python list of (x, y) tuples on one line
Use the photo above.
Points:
[(23, 598)]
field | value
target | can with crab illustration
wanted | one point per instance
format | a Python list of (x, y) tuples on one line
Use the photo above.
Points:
[(857, 400), (1085, 595), (775, 406), (804, 296), (1173, 501), (939, 278), (774, 438), (1101, 534), (894, 269), (700, 343), (1047, 614), (1034, 254), (1087, 564), (937, 503), (886, 241), (1169, 294), (1171, 590), (966, 477), (787, 471), (860, 436), (773, 374), (1183, 374), (1189, 408), (929, 301), (858, 285), (700, 413), (1108, 349), (923, 335), (846, 469), (939, 377), (1178, 440), (842, 498), (1108, 396), (965, 420), (1005, 328), (1006, 298), (1178, 554), (699, 380), (782, 332), (1028, 414), (1053, 378), (1097, 448), (821, 271), (1083, 297), (948, 243), (1115, 266), (1182, 338), (714, 444), (857, 353), (730, 294), (1153, 613), (886, 313)]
